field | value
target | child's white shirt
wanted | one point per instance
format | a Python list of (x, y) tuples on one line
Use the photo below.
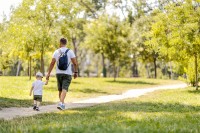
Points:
[(37, 87)]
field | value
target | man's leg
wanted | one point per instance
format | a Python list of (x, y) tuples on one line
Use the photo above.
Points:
[(66, 80), (61, 105), (59, 84), (59, 94), (63, 95)]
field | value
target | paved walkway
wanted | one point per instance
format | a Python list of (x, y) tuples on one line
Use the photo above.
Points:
[(10, 113)]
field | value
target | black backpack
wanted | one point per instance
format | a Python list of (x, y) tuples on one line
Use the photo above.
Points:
[(63, 62)]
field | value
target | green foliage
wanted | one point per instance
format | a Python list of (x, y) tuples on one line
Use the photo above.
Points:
[(109, 36), (175, 28), (151, 34), (35, 28)]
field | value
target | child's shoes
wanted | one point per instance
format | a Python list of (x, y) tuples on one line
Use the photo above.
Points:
[(34, 107), (37, 109)]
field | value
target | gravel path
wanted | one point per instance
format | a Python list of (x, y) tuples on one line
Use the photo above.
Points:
[(10, 113)]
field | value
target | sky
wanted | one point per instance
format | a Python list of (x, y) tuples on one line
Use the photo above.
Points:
[(5, 7), (6, 4)]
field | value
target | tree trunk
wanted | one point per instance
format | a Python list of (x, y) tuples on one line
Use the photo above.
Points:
[(196, 72), (134, 68), (171, 72), (4, 72), (115, 73), (97, 69), (42, 62), (30, 68), (155, 67), (167, 73), (104, 66), (75, 52), (109, 72), (18, 68), (147, 71), (118, 70)]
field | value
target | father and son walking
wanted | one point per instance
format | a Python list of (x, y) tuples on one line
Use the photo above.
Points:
[(62, 57)]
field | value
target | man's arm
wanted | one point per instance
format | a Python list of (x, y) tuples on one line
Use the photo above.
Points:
[(46, 83), (75, 67), (53, 61)]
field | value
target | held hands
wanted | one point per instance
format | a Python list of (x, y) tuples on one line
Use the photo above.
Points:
[(46, 83), (75, 75)]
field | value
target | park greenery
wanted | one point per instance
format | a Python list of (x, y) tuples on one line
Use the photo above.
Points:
[(162, 111), (129, 38), (16, 93)]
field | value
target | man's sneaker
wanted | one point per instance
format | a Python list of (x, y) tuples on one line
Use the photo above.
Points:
[(34, 107), (37, 109), (61, 106)]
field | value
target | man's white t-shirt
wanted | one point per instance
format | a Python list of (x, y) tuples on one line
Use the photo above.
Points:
[(37, 87), (70, 54)]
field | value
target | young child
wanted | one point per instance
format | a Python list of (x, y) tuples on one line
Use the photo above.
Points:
[(36, 88)]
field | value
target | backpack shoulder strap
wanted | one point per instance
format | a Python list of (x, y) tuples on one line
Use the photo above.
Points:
[(68, 61), (60, 52), (67, 51)]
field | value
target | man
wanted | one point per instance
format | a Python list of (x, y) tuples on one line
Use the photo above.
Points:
[(64, 77)]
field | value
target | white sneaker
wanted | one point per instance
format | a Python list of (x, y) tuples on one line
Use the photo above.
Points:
[(61, 106)]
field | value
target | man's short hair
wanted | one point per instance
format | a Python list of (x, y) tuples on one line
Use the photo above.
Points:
[(63, 41)]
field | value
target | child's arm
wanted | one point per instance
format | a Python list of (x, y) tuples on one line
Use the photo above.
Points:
[(31, 90), (46, 83)]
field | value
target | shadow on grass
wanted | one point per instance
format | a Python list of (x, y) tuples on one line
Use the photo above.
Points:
[(132, 82), (194, 91), (10, 102), (150, 107), (113, 116), (89, 90), (75, 82)]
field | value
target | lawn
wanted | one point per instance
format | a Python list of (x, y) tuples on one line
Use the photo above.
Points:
[(14, 91), (161, 111)]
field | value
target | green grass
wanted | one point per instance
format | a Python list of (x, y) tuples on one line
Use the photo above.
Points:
[(14, 91), (162, 112)]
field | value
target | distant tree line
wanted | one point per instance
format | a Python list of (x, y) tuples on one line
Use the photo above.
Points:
[(129, 38)]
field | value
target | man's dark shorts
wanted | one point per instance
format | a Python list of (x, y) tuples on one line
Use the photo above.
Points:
[(37, 98), (63, 81)]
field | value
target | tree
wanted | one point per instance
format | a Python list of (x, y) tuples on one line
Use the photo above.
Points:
[(109, 36), (185, 34), (35, 25), (93, 9)]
